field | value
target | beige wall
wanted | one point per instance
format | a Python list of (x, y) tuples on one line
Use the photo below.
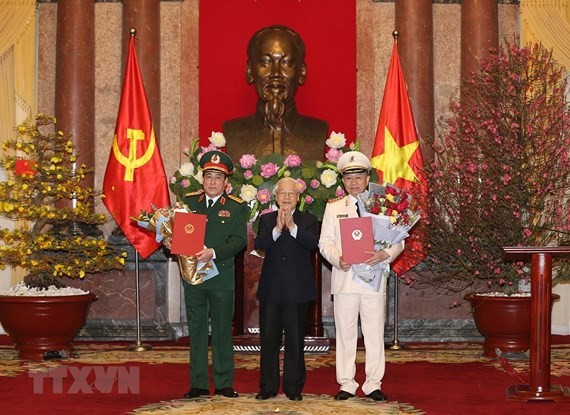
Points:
[(179, 88)]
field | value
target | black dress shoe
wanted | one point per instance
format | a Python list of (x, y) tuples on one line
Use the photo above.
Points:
[(343, 395), (295, 396), (228, 392), (195, 393), (263, 395), (377, 395)]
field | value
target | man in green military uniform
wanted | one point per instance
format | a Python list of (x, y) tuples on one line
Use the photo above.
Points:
[(226, 236)]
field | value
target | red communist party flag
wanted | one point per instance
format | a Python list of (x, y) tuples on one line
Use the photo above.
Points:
[(397, 153), (134, 179)]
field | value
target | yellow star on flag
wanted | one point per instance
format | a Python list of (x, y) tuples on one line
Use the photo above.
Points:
[(394, 162)]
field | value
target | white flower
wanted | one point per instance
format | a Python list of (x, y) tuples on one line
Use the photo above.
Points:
[(328, 178), (336, 140), (248, 193), (198, 176), (217, 139), (187, 169)]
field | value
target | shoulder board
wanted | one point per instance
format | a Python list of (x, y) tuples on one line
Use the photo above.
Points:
[(335, 199), (236, 199), (196, 193)]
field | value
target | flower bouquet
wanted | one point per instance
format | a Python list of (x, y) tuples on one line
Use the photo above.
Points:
[(161, 221), (393, 215)]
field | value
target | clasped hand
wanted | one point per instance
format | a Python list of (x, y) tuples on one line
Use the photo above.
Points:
[(285, 219)]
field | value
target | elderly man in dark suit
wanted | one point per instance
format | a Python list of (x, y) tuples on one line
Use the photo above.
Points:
[(288, 236)]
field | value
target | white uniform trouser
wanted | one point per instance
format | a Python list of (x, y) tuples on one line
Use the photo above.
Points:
[(372, 310)]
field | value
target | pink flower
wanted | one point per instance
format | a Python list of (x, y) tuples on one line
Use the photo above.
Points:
[(210, 147), (506, 179), (471, 167), (315, 183), (333, 154), (302, 185), (339, 191), (247, 174), (308, 200), (185, 183), (269, 169), (267, 210), (292, 160), (264, 195), (247, 161)]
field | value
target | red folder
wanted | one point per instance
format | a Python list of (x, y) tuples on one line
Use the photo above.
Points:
[(357, 237), (188, 233)]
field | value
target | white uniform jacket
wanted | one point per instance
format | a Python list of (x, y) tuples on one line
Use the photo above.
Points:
[(330, 246)]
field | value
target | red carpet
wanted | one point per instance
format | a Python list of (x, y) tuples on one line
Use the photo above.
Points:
[(433, 379)]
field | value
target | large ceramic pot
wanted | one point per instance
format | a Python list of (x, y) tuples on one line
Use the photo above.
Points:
[(504, 322), (41, 327)]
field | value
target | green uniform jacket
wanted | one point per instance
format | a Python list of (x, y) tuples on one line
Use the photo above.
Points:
[(226, 233)]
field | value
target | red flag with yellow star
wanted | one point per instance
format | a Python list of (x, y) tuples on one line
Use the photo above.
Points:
[(397, 153), (134, 179)]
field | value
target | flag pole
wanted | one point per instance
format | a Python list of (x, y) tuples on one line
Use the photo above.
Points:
[(138, 346), (134, 148), (396, 345)]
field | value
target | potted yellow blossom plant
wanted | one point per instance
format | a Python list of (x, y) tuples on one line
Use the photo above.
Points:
[(51, 208)]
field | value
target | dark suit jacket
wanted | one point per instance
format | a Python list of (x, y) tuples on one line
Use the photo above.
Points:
[(287, 272)]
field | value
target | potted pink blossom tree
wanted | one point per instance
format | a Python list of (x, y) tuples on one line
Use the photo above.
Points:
[(500, 177)]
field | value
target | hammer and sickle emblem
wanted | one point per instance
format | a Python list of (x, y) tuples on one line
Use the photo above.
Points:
[(131, 162), (357, 234), (189, 229)]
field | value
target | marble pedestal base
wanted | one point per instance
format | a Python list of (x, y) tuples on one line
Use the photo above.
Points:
[(163, 317), (114, 316)]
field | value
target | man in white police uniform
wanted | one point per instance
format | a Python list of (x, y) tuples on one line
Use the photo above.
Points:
[(352, 299)]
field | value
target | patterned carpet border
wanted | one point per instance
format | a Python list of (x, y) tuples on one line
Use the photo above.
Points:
[(108, 354), (247, 404)]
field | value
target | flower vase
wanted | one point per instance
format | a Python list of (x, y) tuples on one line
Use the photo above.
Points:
[(504, 322), (44, 326)]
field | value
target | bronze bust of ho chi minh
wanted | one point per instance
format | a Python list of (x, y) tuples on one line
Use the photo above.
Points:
[(276, 67)]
